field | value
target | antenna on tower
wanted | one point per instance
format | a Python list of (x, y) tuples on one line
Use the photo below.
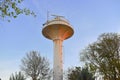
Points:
[(47, 16), (57, 16)]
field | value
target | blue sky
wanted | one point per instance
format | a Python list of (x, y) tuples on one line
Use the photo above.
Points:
[(89, 19)]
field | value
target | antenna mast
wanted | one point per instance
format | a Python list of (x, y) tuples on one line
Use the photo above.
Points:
[(47, 16)]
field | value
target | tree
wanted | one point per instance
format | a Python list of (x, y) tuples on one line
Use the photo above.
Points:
[(103, 56), (86, 75), (73, 74), (17, 76), (11, 8), (35, 66), (80, 74)]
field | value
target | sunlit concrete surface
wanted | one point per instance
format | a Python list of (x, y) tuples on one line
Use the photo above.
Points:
[(57, 29)]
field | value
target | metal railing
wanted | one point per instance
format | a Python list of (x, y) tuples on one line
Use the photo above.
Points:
[(56, 21)]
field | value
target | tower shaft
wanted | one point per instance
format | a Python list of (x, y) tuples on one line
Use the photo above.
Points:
[(58, 66)]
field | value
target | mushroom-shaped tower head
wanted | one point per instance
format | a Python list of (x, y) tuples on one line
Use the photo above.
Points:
[(57, 28)]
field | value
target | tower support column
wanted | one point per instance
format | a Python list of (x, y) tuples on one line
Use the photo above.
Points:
[(58, 66)]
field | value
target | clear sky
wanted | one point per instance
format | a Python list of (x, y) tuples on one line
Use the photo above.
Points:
[(89, 19)]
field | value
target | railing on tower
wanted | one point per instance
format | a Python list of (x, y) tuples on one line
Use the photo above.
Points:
[(57, 20)]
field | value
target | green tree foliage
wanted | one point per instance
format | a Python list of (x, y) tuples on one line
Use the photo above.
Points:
[(73, 74), (35, 66), (11, 8), (103, 56), (80, 74), (17, 76), (86, 75)]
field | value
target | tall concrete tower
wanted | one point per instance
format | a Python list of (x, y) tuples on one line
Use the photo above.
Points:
[(57, 29)]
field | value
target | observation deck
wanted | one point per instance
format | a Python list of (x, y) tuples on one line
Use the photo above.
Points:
[(57, 28)]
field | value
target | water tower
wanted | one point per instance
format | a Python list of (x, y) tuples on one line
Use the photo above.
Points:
[(57, 29)]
